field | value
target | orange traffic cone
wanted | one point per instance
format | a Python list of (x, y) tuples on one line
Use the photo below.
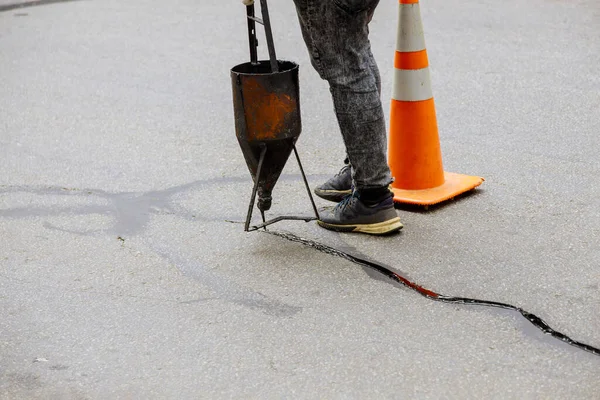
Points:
[(415, 156)]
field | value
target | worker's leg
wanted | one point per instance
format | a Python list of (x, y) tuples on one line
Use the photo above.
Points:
[(336, 34)]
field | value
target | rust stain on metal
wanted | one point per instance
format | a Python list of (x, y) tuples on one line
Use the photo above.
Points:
[(266, 110)]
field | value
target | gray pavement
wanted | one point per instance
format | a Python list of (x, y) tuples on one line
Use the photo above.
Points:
[(124, 270)]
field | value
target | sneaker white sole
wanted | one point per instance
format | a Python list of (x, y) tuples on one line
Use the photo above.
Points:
[(380, 228)]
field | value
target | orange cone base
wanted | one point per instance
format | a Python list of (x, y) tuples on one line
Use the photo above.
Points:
[(454, 185)]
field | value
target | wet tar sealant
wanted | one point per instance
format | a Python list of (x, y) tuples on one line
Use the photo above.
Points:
[(534, 319)]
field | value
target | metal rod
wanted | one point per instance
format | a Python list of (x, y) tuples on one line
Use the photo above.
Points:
[(257, 179), (255, 19), (269, 35), (280, 218), (262, 214), (252, 34), (306, 182)]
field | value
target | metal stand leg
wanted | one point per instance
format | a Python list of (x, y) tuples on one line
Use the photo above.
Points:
[(264, 225), (254, 190), (306, 183)]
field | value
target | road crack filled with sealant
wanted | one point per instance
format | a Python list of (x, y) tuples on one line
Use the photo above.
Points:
[(25, 4), (534, 319)]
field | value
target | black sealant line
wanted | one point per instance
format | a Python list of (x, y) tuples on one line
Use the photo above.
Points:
[(534, 319), (32, 3)]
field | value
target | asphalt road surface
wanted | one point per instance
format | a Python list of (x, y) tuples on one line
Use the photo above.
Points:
[(124, 268)]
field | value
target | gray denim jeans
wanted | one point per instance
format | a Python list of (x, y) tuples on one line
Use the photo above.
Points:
[(337, 37)]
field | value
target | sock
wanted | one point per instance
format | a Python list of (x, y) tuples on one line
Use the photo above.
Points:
[(373, 196)]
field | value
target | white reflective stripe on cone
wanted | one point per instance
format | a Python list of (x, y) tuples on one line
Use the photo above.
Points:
[(412, 85), (410, 28)]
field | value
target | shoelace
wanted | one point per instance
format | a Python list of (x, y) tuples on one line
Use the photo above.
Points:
[(345, 201)]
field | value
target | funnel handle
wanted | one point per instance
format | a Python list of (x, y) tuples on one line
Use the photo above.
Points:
[(252, 34), (269, 35), (266, 22)]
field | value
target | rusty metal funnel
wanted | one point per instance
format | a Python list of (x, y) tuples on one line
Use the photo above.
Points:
[(266, 104), (267, 116)]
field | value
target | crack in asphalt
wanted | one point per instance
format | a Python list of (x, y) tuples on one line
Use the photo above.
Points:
[(532, 318), (33, 3), (132, 212)]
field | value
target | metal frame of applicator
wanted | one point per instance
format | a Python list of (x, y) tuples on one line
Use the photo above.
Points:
[(253, 45)]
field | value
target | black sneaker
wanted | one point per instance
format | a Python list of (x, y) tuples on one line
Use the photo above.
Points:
[(338, 187), (352, 215)]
